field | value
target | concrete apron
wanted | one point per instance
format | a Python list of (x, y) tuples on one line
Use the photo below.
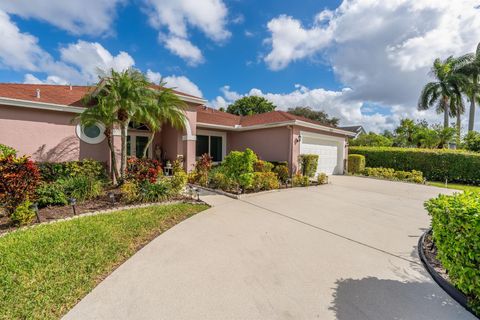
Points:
[(346, 250)]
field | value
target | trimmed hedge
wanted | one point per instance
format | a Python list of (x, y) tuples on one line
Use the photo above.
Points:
[(390, 174), (436, 164), (356, 163), (308, 164), (456, 234)]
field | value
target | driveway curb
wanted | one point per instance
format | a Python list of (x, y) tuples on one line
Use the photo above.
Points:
[(453, 292)]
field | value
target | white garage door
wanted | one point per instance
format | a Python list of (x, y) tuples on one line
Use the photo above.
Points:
[(330, 159)]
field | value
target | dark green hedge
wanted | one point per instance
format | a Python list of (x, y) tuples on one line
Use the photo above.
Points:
[(456, 233), (436, 164)]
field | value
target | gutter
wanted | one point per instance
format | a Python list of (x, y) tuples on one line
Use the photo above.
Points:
[(276, 124)]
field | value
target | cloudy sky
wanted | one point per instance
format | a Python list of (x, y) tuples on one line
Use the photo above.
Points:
[(363, 61)]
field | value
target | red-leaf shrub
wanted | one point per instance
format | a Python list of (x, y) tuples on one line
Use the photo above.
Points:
[(19, 178), (143, 169)]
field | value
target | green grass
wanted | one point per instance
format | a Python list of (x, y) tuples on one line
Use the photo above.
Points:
[(456, 186), (45, 271)]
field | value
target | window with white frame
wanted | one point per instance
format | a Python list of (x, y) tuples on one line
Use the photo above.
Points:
[(136, 142), (212, 143)]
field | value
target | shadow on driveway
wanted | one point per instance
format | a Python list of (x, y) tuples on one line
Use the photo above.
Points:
[(372, 298)]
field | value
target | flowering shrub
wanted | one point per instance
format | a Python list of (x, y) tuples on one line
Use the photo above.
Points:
[(18, 179), (264, 181), (143, 169), (322, 178), (299, 180), (202, 168), (52, 171), (262, 166), (282, 172), (391, 174)]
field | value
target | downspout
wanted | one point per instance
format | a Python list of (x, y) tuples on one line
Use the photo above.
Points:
[(290, 150)]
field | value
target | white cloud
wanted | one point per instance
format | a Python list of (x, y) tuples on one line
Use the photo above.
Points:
[(91, 17), (30, 78), (382, 50), (184, 49), (290, 41), (90, 57), (180, 83), (177, 16), (78, 62)]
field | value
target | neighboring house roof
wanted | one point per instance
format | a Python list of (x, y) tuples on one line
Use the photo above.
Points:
[(61, 94), (214, 118), (356, 129)]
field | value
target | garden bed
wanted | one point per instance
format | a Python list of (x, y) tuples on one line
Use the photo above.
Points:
[(52, 213)]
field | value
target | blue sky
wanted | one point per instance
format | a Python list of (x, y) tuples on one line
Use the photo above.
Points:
[(363, 61)]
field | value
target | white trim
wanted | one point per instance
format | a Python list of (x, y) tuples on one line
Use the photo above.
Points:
[(277, 124), (40, 105), (210, 133), (82, 136), (189, 138)]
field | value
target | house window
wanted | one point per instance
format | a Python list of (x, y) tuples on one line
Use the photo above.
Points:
[(91, 134), (211, 145), (136, 142)]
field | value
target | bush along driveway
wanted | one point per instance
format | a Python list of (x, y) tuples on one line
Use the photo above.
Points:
[(46, 270), (345, 250)]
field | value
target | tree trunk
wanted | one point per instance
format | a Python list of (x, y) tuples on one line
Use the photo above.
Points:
[(445, 112), (471, 116), (459, 127), (149, 142), (123, 160), (113, 156)]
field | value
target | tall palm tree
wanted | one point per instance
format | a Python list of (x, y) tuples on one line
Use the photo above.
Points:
[(438, 93), (457, 108), (101, 112), (469, 65), (125, 93), (167, 107)]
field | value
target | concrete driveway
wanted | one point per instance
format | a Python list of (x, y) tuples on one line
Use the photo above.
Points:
[(346, 250)]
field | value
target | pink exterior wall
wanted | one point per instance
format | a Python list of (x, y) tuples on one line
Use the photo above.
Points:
[(269, 144), (46, 135)]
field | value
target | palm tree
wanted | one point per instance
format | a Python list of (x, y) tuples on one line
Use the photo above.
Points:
[(438, 93), (125, 93), (469, 65), (103, 113), (167, 107), (457, 108)]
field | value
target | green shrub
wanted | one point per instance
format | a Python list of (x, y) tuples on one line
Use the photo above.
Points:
[(52, 171), (322, 178), (356, 163), (219, 180), (237, 163), (178, 181), (81, 187), (308, 164), (282, 172), (262, 166), (156, 192), (456, 233), (23, 214), (202, 168), (264, 181), (49, 194), (472, 141), (300, 180), (6, 151), (130, 191), (436, 164), (391, 174)]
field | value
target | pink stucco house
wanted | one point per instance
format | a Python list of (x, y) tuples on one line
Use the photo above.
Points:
[(37, 120)]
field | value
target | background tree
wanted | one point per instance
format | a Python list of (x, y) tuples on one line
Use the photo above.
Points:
[(317, 115), (166, 107), (439, 92), (371, 139), (472, 141), (405, 133), (250, 105), (469, 65)]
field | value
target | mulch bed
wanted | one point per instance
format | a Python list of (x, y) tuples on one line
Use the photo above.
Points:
[(430, 251), (60, 212)]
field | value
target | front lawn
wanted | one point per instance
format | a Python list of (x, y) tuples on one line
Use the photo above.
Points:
[(456, 186), (46, 270)]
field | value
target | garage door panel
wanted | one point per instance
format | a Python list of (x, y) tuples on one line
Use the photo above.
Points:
[(327, 151)]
